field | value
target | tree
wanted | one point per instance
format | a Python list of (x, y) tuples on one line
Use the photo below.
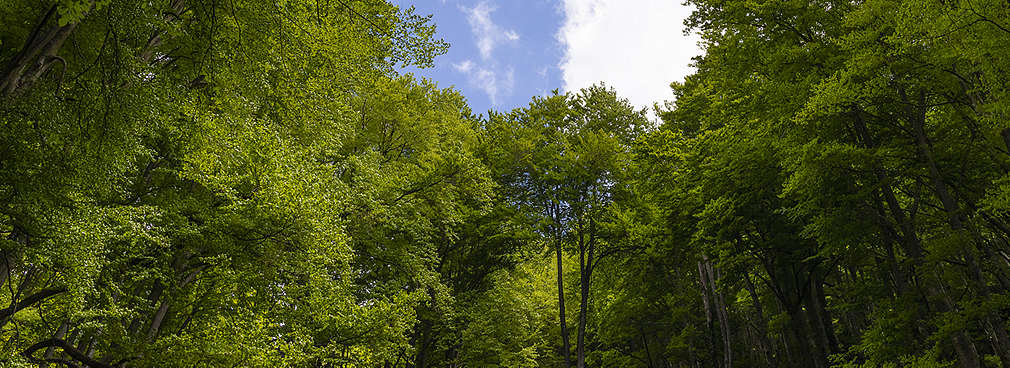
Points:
[(569, 155), (159, 199)]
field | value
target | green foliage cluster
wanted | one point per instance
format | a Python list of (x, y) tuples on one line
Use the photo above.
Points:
[(838, 165), (192, 183)]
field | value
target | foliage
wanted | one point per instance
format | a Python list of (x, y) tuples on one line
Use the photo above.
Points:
[(248, 183)]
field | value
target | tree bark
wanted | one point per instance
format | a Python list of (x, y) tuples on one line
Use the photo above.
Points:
[(37, 55), (10, 258), (723, 316), (912, 246), (67, 348), (61, 332), (645, 344), (421, 358), (826, 321), (764, 344), (19, 304), (715, 307), (916, 115), (157, 289), (813, 355), (799, 349), (586, 261), (159, 317), (706, 299), (566, 345), (146, 53)]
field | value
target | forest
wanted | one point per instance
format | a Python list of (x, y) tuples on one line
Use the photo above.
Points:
[(248, 183)]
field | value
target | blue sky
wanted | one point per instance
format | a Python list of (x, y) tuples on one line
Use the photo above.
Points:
[(503, 52)]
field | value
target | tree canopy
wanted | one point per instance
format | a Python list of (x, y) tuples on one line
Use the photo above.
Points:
[(192, 183)]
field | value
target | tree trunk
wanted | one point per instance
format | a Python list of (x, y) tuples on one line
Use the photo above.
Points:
[(723, 315), (580, 347), (147, 52), (159, 317), (706, 298), (61, 332), (823, 318), (37, 55), (715, 307), (764, 344), (157, 289), (5, 267), (93, 342), (21, 303), (916, 115), (808, 336), (421, 358), (10, 258), (826, 316), (566, 345), (968, 356), (645, 344), (799, 348), (75, 335), (586, 259)]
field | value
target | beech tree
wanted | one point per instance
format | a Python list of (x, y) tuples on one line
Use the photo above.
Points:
[(247, 183)]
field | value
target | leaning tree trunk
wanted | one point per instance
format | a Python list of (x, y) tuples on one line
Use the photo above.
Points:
[(965, 349), (38, 55), (955, 217)]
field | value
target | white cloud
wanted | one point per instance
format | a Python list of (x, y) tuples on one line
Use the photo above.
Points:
[(495, 84), (488, 34), (636, 46), (463, 67), (511, 35), (489, 76)]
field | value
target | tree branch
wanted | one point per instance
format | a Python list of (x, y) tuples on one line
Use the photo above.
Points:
[(17, 306), (68, 349)]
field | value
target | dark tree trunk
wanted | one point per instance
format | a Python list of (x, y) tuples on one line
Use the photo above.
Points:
[(916, 114), (764, 344), (645, 344), (21, 303), (723, 316), (157, 289), (61, 332), (1005, 133), (800, 349), (424, 345), (823, 318), (715, 308), (38, 54), (804, 325), (706, 298), (826, 316), (580, 343), (586, 263), (967, 354), (565, 344)]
